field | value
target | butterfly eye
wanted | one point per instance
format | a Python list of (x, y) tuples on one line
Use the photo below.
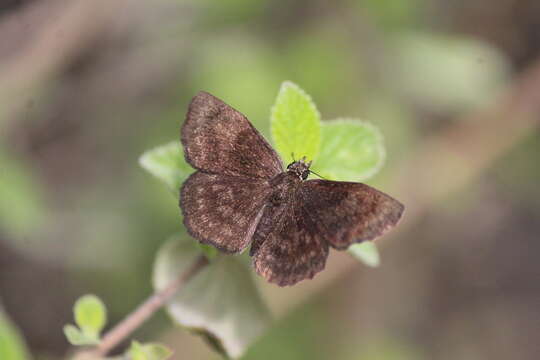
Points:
[(305, 174)]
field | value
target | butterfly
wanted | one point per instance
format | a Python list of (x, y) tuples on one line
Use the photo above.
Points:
[(240, 195)]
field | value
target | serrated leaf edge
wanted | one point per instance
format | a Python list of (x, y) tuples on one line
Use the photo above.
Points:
[(279, 100), (380, 143), (158, 150)]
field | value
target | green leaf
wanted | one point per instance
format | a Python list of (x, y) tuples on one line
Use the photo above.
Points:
[(221, 302), (295, 122), (90, 315), (12, 345), (76, 337), (167, 163), (351, 150), (149, 351), (366, 252), (136, 351)]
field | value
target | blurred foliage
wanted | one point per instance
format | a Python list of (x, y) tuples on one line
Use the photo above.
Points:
[(473, 74), (221, 302), (249, 68), (12, 346), (149, 351), (22, 207), (383, 349), (90, 316), (300, 336), (392, 14), (516, 169), (83, 95)]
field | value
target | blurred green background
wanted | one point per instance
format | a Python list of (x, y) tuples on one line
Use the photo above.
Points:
[(87, 86)]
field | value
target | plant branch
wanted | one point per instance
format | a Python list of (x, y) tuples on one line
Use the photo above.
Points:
[(147, 309)]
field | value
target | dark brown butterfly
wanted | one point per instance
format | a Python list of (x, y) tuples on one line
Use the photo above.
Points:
[(240, 195)]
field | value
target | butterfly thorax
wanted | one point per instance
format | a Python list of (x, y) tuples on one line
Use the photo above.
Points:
[(285, 184)]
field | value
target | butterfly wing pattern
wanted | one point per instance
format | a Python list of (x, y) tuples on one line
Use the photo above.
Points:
[(223, 210), (287, 247), (223, 200), (240, 195), (220, 140), (345, 213)]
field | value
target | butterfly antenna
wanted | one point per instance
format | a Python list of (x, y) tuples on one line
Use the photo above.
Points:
[(313, 172)]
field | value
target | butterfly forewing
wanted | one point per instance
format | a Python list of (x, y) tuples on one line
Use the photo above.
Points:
[(220, 140), (223, 210), (345, 212)]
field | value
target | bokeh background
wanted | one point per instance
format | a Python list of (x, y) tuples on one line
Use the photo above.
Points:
[(87, 86)]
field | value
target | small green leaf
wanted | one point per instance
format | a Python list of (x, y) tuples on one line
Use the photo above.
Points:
[(351, 150), (12, 345), (76, 337), (136, 351), (295, 123), (167, 163), (149, 351), (157, 351), (221, 302), (90, 315), (366, 252)]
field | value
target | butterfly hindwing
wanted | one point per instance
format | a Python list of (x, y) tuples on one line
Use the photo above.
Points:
[(345, 212), (286, 245), (222, 210), (218, 139)]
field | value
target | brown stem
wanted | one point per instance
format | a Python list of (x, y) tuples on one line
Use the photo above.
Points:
[(146, 309)]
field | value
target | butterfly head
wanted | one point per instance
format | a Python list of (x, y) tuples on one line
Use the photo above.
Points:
[(300, 168)]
